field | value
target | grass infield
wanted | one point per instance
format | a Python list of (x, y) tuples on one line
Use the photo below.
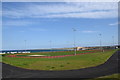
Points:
[(62, 63)]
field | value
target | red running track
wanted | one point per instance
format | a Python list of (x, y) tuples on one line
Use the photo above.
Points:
[(47, 56)]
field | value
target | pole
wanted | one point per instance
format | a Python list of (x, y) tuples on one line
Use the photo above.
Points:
[(74, 41), (50, 46), (25, 45), (113, 41), (100, 42)]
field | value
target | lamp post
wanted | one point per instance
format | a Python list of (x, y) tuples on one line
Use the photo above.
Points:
[(100, 42), (74, 41), (25, 45), (50, 46), (113, 41)]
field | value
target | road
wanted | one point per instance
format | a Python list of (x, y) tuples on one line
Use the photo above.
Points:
[(109, 67)]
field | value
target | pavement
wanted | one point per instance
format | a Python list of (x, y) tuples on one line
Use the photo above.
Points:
[(109, 67)]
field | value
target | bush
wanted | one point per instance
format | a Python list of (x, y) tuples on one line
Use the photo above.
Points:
[(61, 65), (52, 67)]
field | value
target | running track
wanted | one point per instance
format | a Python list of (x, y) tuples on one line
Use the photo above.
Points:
[(109, 67)]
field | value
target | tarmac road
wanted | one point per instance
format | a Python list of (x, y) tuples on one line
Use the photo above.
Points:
[(109, 67)]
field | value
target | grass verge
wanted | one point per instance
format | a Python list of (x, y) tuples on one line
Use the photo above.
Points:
[(108, 77)]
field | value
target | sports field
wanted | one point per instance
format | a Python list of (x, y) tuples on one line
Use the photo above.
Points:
[(93, 58)]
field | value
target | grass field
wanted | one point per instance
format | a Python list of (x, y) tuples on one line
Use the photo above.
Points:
[(111, 76), (0, 58), (56, 53), (108, 77), (63, 63)]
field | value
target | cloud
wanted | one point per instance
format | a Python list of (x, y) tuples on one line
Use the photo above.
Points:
[(16, 23), (22, 31), (37, 29), (62, 10), (88, 31), (113, 24), (101, 14)]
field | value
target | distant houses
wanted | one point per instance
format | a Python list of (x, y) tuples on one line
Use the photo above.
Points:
[(13, 52), (97, 47), (2, 53)]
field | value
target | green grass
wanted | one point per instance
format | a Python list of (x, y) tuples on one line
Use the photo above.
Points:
[(55, 53), (108, 77), (111, 76), (0, 58), (63, 63)]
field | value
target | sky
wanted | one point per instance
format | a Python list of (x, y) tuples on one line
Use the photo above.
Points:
[(36, 25)]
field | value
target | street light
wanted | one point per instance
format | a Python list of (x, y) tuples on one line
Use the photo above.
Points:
[(74, 41), (100, 42), (50, 45), (113, 41), (25, 45)]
